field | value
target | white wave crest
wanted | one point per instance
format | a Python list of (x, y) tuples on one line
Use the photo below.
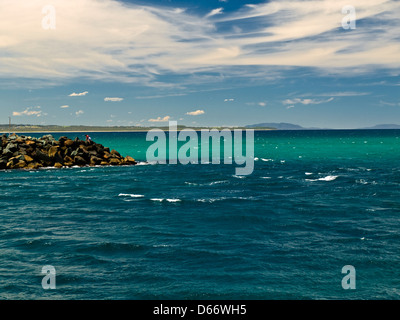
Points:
[(131, 195)]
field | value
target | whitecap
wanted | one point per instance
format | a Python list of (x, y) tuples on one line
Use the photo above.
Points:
[(156, 199), (143, 163), (263, 159), (256, 159), (265, 177), (217, 182), (328, 178), (191, 183), (131, 195), (308, 173), (174, 200)]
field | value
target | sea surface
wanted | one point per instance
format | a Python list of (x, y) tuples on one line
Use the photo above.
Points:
[(317, 201)]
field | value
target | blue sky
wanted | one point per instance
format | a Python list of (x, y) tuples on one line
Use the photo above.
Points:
[(225, 63)]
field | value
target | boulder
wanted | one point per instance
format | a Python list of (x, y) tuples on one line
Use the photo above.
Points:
[(114, 152), (53, 151), (129, 159), (95, 160), (79, 161), (68, 143), (28, 159), (58, 165), (114, 162)]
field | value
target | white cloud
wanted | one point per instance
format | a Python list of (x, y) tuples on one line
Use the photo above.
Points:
[(229, 100), (113, 99), (30, 111), (79, 94), (64, 107), (262, 104), (305, 101), (195, 113), (78, 113), (214, 12), (159, 119)]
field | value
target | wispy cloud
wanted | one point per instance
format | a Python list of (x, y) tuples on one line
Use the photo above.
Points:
[(78, 113), (195, 113), (64, 107), (113, 99), (159, 119), (30, 111), (79, 94), (214, 12), (229, 100), (305, 101)]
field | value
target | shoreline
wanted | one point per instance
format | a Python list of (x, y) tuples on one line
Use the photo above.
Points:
[(111, 131)]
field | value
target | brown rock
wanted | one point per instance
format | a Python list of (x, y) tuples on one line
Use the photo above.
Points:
[(68, 143), (79, 161), (106, 155), (129, 159), (28, 158), (58, 165), (68, 159), (115, 162), (53, 151), (114, 152), (33, 166), (95, 160)]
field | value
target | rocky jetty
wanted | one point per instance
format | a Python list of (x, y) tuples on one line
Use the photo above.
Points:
[(21, 152)]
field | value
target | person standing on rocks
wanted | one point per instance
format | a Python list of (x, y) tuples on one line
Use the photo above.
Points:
[(88, 139)]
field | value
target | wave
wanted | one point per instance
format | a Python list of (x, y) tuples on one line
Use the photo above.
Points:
[(327, 178), (131, 195), (168, 200)]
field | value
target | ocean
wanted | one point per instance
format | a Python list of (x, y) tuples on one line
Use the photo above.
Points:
[(316, 201)]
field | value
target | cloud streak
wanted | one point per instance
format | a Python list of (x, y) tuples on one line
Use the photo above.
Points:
[(159, 119), (195, 113), (30, 111), (114, 99), (78, 94), (305, 101)]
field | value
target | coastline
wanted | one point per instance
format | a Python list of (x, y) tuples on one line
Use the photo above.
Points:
[(95, 131)]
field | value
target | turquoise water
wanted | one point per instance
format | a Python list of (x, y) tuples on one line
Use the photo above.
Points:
[(316, 201)]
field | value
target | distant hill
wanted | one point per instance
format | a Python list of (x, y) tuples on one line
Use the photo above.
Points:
[(384, 126), (277, 126)]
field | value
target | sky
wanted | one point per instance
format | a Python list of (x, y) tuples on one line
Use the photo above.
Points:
[(320, 63)]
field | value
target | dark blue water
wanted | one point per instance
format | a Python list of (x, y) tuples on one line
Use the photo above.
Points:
[(316, 201)]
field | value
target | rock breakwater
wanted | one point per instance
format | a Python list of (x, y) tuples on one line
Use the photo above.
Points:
[(22, 152)]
